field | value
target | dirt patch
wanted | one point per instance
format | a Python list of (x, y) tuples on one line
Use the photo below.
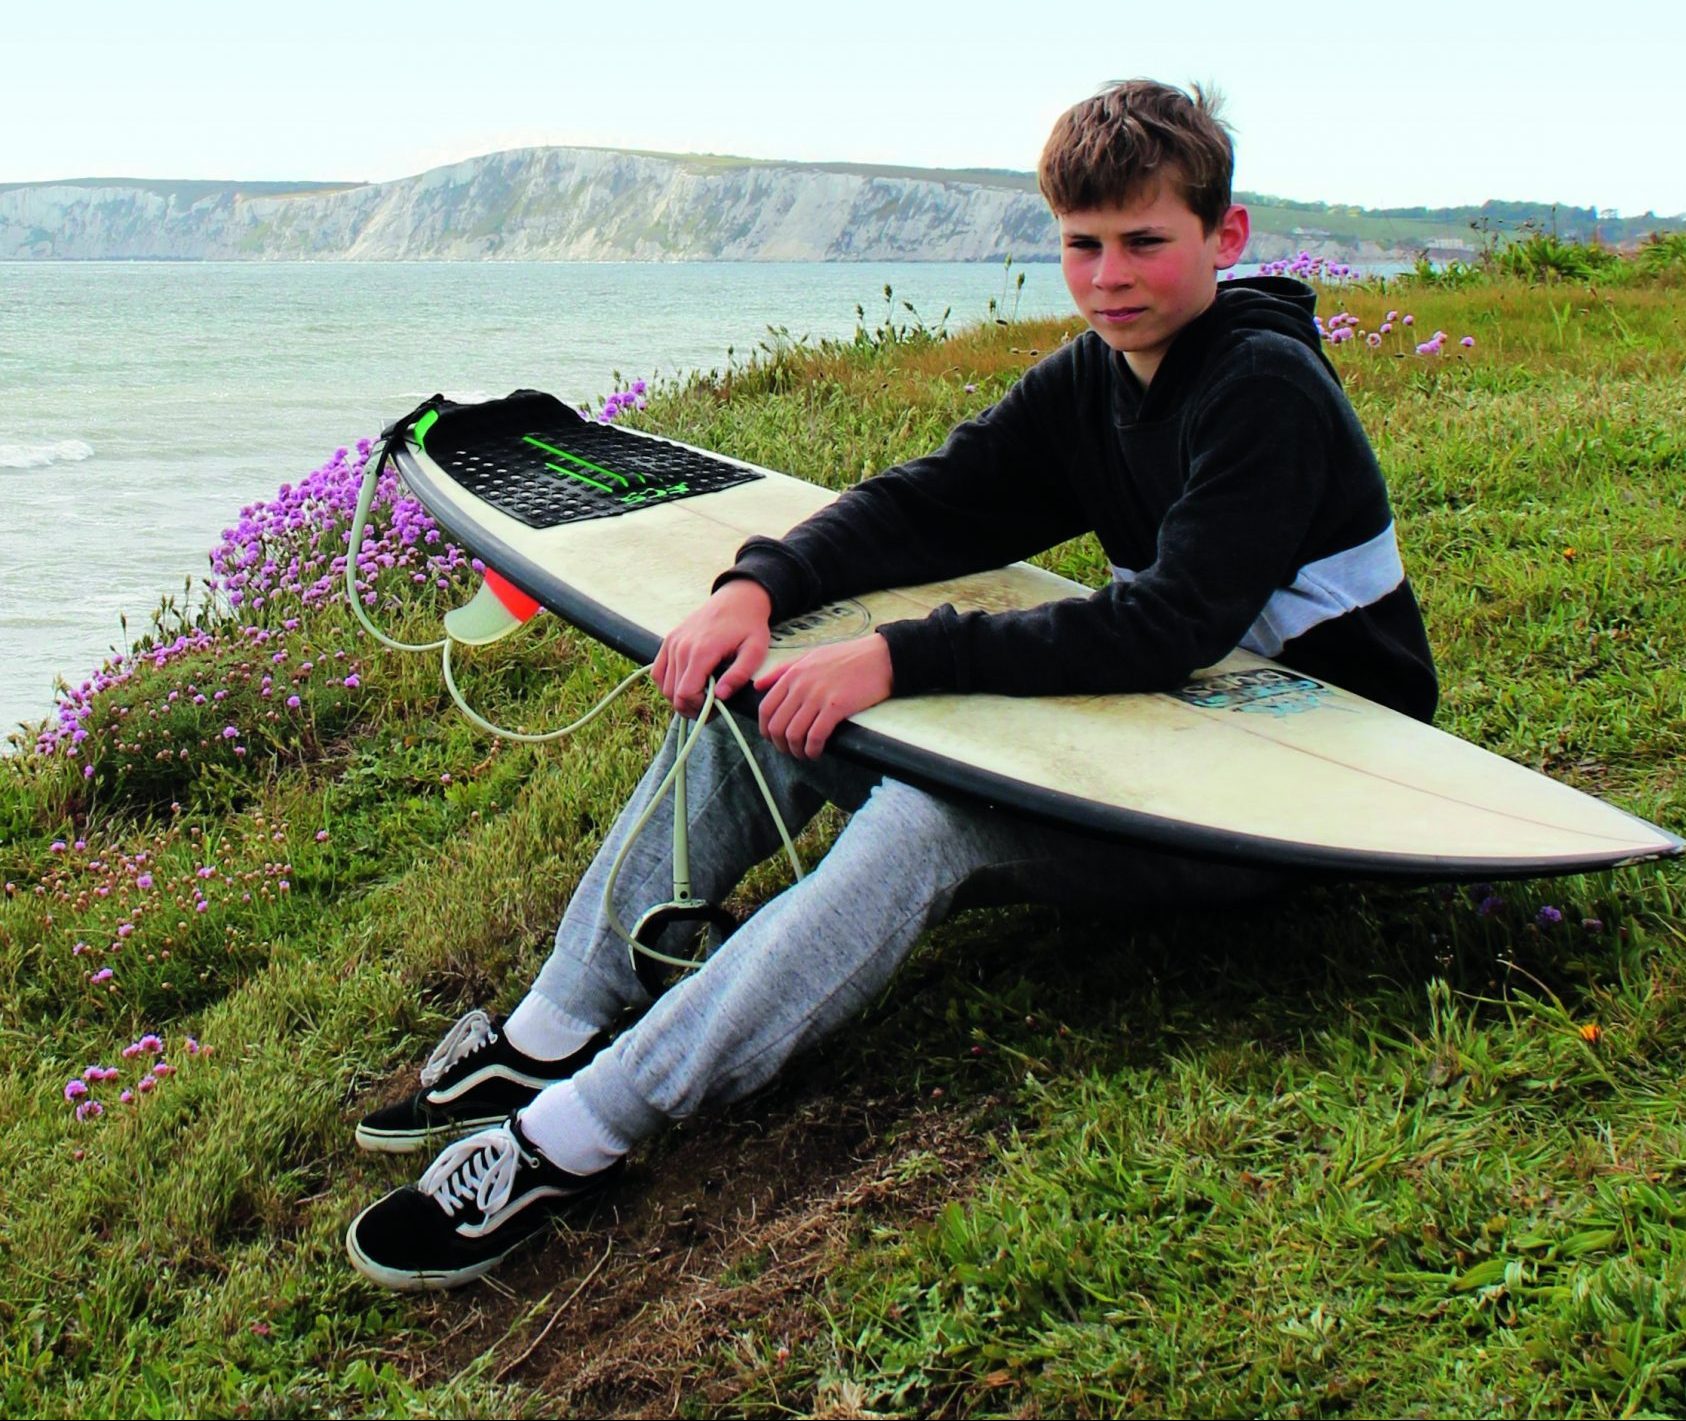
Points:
[(717, 1243)]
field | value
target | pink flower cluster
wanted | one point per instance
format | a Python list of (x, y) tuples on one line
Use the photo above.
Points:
[(622, 401), (78, 1090), (1309, 268), (289, 549), (71, 726), (292, 550), (1436, 343), (294, 546), (1341, 328), (145, 905), (1344, 327)]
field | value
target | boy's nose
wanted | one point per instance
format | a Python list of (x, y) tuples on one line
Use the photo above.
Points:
[(1113, 270)]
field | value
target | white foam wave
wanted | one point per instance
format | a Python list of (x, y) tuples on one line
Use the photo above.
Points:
[(37, 456)]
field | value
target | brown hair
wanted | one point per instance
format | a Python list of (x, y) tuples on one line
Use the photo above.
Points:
[(1113, 148)]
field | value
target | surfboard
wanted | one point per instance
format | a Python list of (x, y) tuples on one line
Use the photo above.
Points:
[(622, 533)]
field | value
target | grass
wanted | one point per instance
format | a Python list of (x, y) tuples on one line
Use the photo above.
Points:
[(1371, 1150)]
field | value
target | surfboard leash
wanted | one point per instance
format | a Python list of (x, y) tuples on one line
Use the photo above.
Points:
[(495, 622)]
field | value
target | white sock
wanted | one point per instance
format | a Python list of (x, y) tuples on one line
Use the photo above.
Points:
[(567, 1134), (540, 1029)]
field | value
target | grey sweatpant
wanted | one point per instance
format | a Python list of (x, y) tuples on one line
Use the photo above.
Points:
[(817, 953)]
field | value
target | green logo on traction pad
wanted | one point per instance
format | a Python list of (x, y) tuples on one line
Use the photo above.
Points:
[(632, 499)]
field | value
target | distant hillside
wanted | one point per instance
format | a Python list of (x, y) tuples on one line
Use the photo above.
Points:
[(1470, 225), (597, 204)]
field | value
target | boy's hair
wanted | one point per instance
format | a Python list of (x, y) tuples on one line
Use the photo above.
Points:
[(1113, 148)]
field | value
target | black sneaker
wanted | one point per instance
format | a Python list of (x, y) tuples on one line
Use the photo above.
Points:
[(474, 1079), (482, 1198)]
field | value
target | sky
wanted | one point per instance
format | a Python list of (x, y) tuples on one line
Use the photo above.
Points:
[(1436, 102)]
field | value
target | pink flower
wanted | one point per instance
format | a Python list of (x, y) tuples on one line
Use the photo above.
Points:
[(1468, 342), (321, 836), (230, 731), (150, 1042), (146, 1083), (89, 1110), (127, 1097), (352, 682), (1410, 320), (75, 1090), (293, 702), (105, 974), (144, 881)]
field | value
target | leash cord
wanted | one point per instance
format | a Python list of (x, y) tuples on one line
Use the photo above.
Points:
[(687, 738)]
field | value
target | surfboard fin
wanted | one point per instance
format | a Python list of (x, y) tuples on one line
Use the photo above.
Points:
[(497, 608)]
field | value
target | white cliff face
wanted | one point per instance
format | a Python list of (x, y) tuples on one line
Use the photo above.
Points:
[(559, 204)]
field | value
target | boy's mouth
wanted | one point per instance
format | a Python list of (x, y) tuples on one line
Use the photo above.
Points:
[(1120, 315)]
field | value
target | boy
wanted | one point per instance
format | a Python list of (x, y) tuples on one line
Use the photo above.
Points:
[(1202, 436)]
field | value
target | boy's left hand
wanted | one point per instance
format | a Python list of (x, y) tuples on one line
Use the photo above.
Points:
[(805, 700)]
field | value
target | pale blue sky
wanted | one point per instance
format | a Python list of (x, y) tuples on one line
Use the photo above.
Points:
[(1434, 101)]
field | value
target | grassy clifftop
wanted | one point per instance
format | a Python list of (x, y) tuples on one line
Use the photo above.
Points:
[(1374, 1150)]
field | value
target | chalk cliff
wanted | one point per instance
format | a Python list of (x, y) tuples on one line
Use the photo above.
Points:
[(559, 204)]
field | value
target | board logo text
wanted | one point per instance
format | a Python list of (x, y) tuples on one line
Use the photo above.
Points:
[(1266, 691), (834, 622)]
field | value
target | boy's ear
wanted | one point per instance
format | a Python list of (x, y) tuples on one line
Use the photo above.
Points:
[(1234, 228)]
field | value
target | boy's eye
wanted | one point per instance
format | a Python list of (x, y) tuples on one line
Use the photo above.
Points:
[(1147, 241)]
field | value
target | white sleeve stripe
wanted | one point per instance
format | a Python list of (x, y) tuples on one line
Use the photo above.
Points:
[(1328, 588), (1323, 590)]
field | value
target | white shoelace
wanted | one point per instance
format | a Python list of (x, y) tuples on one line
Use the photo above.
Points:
[(480, 1169), (471, 1032)]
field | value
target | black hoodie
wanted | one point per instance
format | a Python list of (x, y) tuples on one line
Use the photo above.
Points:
[(1236, 497)]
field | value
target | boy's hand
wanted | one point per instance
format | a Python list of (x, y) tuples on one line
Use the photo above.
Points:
[(804, 700), (732, 623)]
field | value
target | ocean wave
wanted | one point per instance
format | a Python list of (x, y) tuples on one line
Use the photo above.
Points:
[(36, 456)]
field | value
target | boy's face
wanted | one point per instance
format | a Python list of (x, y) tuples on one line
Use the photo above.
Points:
[(1141, 272)]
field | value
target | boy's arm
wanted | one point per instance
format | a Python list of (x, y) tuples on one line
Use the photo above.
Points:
[(996, 491), (1258, 471)]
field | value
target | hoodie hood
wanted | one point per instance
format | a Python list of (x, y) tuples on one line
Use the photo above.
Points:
[(1273, 305), (1269, 303)]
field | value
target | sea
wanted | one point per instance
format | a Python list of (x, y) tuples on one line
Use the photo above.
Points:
[(143, 404)]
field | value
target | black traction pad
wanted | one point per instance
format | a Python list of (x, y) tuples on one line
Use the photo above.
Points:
[(544, 464)]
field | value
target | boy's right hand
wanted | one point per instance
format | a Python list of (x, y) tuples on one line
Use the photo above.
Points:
[(733, 624)]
